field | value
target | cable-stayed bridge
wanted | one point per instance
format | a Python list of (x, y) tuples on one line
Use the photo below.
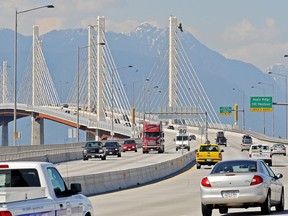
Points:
[(97, 96)]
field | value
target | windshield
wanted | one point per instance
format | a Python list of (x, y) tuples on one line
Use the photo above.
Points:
[(111, 144), (152, 134), (94, 144), (182, 138)]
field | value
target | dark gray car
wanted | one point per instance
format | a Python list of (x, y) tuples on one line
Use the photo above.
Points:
[(94, 149)]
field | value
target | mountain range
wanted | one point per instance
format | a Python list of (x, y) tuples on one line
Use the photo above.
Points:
[(140, 48)]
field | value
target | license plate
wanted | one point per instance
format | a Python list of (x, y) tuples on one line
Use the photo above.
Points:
[(230, 194), (110, 152), (209, 160)]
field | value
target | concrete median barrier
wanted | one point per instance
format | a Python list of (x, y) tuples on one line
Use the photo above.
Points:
[(123, 179)]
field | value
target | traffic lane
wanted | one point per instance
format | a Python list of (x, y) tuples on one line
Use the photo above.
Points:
[(128, 160), (169, 197)]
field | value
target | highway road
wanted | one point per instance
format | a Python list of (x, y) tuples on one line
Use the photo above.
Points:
[(179, 195), (127, 161)]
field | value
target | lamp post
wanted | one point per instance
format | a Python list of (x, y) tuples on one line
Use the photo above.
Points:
[(15, 133), (243, 105), (285, 77), (263, 89), (112, 98), (273, 116)]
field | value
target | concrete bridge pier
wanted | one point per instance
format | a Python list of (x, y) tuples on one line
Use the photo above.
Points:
[(4, 134), (90, 136), (37, 130)]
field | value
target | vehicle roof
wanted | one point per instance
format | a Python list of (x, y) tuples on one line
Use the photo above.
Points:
[(24, 164), (260, 144), (211, 144), (238, 160)]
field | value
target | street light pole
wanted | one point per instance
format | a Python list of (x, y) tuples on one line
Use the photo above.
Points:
[(15, 133), (243, 104), (263, 89), (273, 116), (285, 76)]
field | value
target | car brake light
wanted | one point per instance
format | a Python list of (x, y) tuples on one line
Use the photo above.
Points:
[(5, 213), (256, 180), (249, 155), (205, 182), (4, 166)]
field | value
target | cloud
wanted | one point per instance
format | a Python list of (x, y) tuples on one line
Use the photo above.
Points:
[(246, 32), (262, 55)]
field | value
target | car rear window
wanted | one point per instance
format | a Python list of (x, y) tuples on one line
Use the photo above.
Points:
[(129, 141), (235, 166), (260, 147), (208, 148)]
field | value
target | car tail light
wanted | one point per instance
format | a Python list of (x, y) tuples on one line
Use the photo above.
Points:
[(197, 154), (5, 213), (4, 166), (249, 155), (256, 180), (205, 182)]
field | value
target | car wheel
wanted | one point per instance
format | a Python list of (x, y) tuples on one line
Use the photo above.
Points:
[(284, 154), (103, 158), (119, 155), (123, 150), (280, 206), (176, 149), (136, 150), (198, 165), (241, 150), (206, 209), (270, 163), (85, 158), (188, 148), (223, 210), (266, 206)]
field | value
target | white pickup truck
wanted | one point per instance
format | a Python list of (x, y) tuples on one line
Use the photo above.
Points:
[(37, 188)]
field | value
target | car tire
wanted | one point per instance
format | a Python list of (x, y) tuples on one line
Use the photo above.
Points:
[(119, 155), (176, 149), (266, 206), (85, 158), (206, 209), (284, 154), (241, 150), (198, 166), (136, 150), (270, 163), (103, 158), (280, 206), (188, 148), (123, 150), (223, 210)]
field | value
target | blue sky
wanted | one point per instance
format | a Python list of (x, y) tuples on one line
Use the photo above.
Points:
[(253, 31)]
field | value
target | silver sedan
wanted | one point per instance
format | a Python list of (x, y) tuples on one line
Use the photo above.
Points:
[(278, 148), (241, 184)]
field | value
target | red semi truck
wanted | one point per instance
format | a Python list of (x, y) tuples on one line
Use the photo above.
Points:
[(153, 137)]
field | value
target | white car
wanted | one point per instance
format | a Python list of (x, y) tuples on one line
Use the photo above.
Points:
[(261, 152)]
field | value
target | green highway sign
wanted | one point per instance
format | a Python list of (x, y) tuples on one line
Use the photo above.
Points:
[(261, 104), (225, 110)]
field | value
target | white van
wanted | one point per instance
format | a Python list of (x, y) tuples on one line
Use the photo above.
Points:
[(262, 152), (182, 141)]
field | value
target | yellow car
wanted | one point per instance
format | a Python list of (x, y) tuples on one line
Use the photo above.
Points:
[(208, 154)]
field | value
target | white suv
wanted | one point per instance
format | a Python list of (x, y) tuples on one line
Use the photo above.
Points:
[(261, 152)]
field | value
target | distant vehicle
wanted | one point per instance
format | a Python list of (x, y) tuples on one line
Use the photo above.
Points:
[(262, 152), (94, 149), (153, 137), (182, 141), (129, 145), (278, 148), (246, 142), (192, 136), (241, 184), (113, 148), (208, 154), (221, 139), (171, 127)]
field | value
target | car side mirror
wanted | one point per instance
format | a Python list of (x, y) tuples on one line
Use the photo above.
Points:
[(75, 188), (279, 175)]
